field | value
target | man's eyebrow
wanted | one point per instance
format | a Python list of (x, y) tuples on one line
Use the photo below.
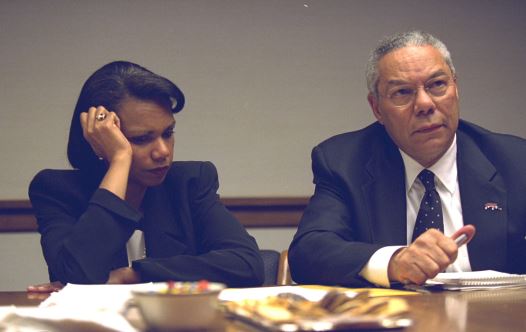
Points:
[(438, 73), (397, 82), (401, 82)]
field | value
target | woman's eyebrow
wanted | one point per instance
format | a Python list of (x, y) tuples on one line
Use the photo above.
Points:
[(139, 132)]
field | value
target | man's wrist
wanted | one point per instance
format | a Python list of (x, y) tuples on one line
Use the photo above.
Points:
[(376, 269), (392, 268)]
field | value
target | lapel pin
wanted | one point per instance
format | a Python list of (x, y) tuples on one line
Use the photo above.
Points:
[(492, 206)]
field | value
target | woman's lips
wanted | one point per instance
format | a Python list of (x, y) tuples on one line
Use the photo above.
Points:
[(160, 171)]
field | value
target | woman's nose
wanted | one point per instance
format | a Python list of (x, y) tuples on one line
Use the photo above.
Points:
[(161, 150)]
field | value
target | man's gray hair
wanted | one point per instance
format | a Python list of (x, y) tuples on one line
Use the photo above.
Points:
[(401, 40)]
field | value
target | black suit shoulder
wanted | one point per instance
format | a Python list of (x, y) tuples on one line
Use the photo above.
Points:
[(491, 141), (195, 180), (354, 154), (53, 178), (71, 189), (185, 171), (506, 152), (354, 141)]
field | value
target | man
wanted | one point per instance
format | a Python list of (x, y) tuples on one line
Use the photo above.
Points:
[(390, 197)]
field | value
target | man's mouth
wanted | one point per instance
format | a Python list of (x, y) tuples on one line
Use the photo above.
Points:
[(428, 129)]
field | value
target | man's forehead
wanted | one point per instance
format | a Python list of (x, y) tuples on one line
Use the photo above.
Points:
[(410, 61)]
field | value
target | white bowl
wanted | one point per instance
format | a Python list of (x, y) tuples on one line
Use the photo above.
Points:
[(167, 310)]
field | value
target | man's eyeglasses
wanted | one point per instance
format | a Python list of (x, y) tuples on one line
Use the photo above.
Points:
[(403, 95)]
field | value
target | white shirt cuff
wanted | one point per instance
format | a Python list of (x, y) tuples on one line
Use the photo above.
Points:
[(375, 271)]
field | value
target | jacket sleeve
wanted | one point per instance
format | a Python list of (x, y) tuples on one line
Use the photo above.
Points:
[(227, 253), (80, 236), (325, 249)]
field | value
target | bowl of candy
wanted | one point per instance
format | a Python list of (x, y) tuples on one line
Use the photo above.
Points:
[(178, 305)]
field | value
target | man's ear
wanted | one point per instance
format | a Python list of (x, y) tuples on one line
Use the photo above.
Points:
[(456, 86), (373, 102)]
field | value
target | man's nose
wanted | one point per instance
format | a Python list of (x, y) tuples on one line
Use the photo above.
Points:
[(424, 104)]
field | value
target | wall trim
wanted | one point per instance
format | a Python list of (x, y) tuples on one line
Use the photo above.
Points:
[(252, 212)]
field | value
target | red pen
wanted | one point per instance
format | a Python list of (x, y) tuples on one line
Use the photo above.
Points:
[(463, 235), (463, 238)]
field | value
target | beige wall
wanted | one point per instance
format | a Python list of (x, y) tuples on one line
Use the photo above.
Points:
[(265, 81)]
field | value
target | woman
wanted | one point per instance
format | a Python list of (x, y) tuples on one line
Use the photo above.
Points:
[(127, 213)]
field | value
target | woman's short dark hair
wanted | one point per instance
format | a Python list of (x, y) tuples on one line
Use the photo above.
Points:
[(109, 86)]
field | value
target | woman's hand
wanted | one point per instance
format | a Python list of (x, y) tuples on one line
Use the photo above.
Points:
[(124, 275), (101, 128), (45, 288)]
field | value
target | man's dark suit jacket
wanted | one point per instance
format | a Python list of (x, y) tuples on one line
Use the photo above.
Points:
[(189, 235), (359, 203)]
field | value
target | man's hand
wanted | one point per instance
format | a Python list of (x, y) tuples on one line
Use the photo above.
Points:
[(428, 255), (124, 275)]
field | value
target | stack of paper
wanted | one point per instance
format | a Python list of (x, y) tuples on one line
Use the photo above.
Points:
[(74, 308), (477, 280)]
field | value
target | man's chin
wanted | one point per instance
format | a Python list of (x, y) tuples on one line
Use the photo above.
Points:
[(431, 152)]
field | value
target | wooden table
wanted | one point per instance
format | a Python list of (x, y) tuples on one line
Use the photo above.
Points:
[(21, 299), (496, 310)]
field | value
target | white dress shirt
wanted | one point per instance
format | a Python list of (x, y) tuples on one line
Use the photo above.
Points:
[(446, 183), (135, 247)]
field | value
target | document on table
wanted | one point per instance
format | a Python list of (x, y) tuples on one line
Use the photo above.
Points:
[(477, 280), (74, 308), (92, 297)]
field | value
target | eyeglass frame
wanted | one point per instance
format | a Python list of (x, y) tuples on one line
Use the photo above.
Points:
[(449, 81)]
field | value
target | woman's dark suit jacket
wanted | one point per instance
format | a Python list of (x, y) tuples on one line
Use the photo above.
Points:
[(189, 235)]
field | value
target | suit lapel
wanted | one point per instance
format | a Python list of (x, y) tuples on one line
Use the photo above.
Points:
[(164, 236), (384, 194), (483, 199), (120, 259)]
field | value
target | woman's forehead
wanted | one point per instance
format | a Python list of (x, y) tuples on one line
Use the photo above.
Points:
[(141, 115)]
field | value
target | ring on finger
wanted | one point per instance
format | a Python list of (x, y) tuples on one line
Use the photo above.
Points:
[(101, 116)]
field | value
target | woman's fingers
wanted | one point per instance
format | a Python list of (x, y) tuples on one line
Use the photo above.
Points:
[(93, 122), (46, 287)]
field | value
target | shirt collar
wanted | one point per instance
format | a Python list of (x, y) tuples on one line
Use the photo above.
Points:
[(445, 169)]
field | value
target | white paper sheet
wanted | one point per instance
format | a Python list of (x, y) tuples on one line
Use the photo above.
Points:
[(74, 308), (29, 319), (93, 297), (477, 280)]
